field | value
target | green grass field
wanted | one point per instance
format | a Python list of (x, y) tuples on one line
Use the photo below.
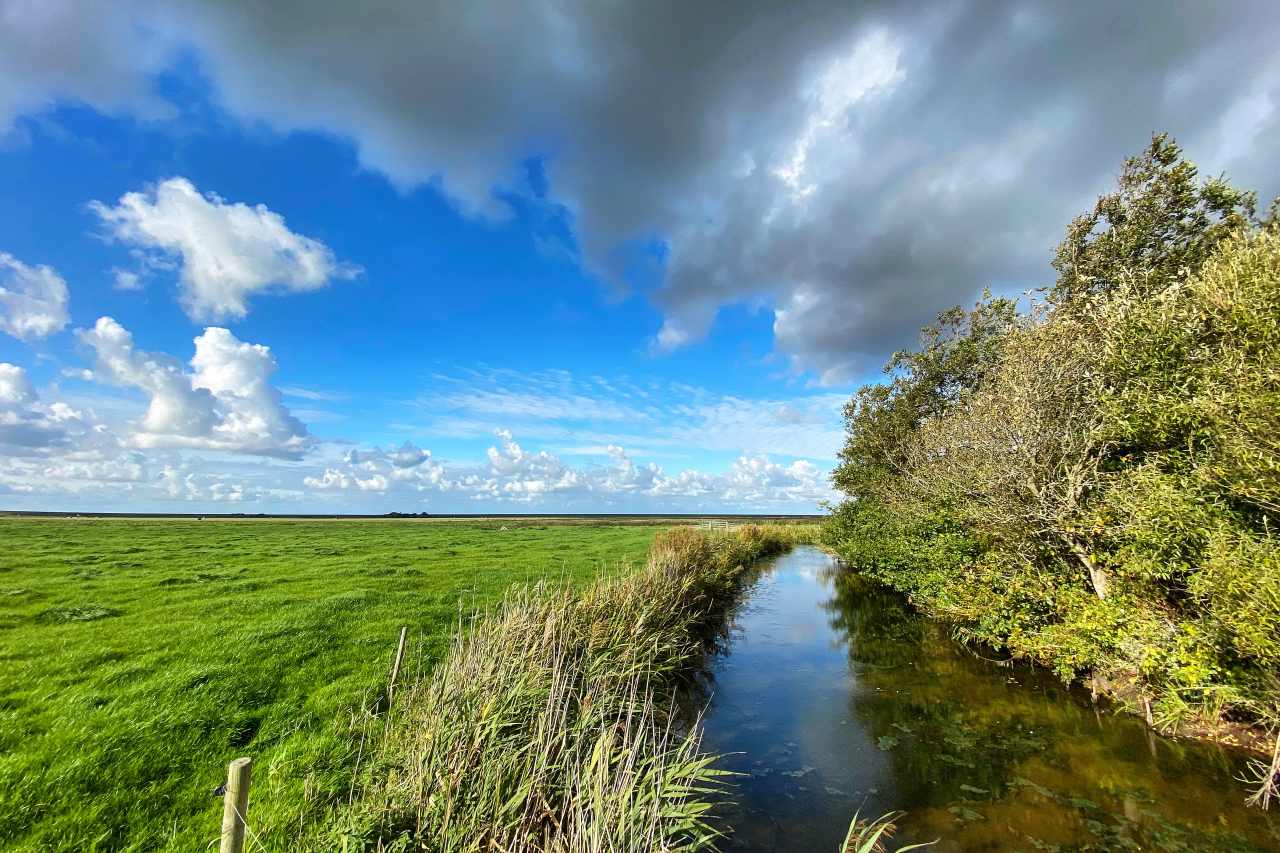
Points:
[(137, 657)]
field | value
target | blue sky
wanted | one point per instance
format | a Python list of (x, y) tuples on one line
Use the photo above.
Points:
[(303, 259), (454, 329)]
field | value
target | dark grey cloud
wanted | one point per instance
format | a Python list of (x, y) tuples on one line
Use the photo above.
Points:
[(855, 166)]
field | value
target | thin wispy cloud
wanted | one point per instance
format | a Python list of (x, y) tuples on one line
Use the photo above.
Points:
[(314, 394), (559, 406)]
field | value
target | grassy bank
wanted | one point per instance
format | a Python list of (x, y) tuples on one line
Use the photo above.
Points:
[(1095, 484), (551, 726), (138, 656)]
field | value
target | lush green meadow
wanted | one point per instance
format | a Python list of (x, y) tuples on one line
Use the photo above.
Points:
[(137, 657)]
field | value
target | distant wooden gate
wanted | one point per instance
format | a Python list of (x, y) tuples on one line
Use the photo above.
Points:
[(717, 524)]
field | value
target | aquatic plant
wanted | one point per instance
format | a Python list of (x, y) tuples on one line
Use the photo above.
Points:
[(870, 836)]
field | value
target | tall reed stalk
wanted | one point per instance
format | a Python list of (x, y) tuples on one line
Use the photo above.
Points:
[(550, 725)]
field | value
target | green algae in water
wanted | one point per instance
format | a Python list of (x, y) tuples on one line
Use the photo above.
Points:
[(828, 674)]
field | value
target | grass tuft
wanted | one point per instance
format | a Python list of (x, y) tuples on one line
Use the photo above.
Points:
[(83, 613)]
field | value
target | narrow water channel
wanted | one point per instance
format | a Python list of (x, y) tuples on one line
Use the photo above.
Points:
[(831, 696)]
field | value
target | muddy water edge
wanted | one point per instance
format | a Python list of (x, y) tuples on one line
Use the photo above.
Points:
[(829, 696)]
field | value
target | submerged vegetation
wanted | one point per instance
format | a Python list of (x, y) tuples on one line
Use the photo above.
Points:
[(1094, 483), (552, 724)]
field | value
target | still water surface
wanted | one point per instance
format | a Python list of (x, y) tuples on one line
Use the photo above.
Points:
[(831, 696)]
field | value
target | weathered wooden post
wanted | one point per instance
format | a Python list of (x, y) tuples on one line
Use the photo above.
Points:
[(235, 806), (395, 667)]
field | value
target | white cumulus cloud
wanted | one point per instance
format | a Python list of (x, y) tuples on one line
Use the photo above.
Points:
[(408, 468), (179, 483), (27, 425), (226, 403), (33, 300), (511, 474), (15, 388), (226, 251)]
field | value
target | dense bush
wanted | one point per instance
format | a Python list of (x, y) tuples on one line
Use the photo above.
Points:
[(1095, 482)]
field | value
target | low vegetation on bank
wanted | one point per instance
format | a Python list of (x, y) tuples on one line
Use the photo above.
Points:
[(1093, 482), (553, 722)]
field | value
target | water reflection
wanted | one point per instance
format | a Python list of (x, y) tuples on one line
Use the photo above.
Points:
[(830, 696)]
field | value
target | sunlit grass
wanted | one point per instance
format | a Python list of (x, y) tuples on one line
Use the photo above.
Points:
[(137, 657)]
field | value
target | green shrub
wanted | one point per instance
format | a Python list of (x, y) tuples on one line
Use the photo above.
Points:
[(1096, 484)]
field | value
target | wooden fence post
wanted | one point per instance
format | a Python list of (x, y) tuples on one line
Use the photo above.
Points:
[(235, 806), (395, 667)]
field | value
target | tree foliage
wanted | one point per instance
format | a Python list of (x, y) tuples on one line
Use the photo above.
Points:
[(1095, 482)]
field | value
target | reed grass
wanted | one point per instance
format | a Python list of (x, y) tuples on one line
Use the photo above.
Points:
[(551, 724), (872, 836)]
